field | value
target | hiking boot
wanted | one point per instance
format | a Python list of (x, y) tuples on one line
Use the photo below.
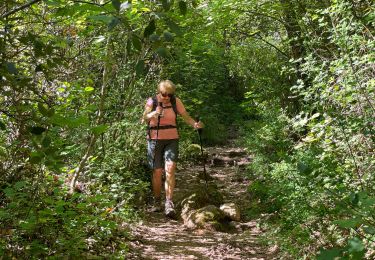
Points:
[(156, 205), (169, 209)]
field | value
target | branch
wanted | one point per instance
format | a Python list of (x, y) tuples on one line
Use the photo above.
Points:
[(15, 10), (7, 113), (259, 14), (272, 45), (257, 36), (100, 113), (90, 3)]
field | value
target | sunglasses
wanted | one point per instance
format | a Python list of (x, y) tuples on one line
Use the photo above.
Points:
[(166, 94)]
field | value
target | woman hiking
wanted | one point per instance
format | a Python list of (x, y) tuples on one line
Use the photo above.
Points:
[(162, 141)]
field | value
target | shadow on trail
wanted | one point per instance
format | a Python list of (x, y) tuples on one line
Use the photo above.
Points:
[(160, 238)]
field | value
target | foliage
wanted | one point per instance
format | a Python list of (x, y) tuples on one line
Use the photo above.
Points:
[(39, 221), (315, 162), (73, 79), (297, 76)]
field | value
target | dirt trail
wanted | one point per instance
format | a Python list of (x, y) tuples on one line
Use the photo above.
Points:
[(161, 238)]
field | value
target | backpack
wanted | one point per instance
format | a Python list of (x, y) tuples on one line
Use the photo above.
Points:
[(154, 105)]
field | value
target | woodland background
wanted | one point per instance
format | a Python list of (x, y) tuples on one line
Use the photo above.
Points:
[(296, 79)]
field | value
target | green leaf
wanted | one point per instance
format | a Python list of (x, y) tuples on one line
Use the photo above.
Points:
[(20, 184), (150, 29), (368, 202), (2, 126), (303, 168), (46, 141), (89, 89), (35, 157), (51, 112), (44, 111), (3, 151), (354, 198), (166, 5), (9, 192), (115, 21), (174, 27), (11, 68), (355, 245), (154, 37), (98, 130), (136, 43), (39, 67), (29, 225), (349, 223), (102, 18), (369, 230), (162, 52), (128, 46), (329, 254), (78, 121), (58, 120), (53, 3), (168, 37), (183, 7), (140, 67), (69, 121), (116, 4), (37, 130)]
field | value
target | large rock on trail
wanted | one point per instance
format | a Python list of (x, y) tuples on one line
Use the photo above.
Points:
[(231, 211), (208, 217), (201, 210)]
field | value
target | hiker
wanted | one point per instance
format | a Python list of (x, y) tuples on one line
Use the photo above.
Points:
[(160, 114)]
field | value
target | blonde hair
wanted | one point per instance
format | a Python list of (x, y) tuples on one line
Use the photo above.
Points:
[(167, 85)]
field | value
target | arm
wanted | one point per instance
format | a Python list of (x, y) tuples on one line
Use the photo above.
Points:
[(190, 121), (148, 114)]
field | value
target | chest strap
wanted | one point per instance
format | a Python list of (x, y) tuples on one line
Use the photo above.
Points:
[(161, 127)]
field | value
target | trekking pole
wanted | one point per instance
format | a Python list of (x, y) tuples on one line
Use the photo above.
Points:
[(199, 130), (157, 136)]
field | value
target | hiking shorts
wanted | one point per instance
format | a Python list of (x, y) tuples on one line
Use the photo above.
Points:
[(166, 150)]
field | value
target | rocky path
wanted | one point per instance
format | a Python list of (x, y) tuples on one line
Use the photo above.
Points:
[(160, 238)]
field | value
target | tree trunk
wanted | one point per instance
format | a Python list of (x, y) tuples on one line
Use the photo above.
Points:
[(106, 72)]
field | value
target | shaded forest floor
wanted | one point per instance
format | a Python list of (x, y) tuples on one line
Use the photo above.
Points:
[(157, 237)]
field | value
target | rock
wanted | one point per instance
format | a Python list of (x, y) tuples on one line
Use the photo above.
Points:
[(236, 153), (189, 207), (214, 195), (200, 209), (208, 217), (193, 152), (232, 211), (216, 161), (208, 213), (274, 249), (202, 196)]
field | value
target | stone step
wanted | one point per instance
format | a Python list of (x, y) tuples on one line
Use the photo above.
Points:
[(225, 161)]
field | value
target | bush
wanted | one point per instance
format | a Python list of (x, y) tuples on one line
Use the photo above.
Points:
[(50, 222)]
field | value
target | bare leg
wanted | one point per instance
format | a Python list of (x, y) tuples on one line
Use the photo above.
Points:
[(170, 169), (156, 182)]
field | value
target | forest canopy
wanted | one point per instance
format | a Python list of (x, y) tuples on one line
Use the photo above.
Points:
[(294, 78)]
